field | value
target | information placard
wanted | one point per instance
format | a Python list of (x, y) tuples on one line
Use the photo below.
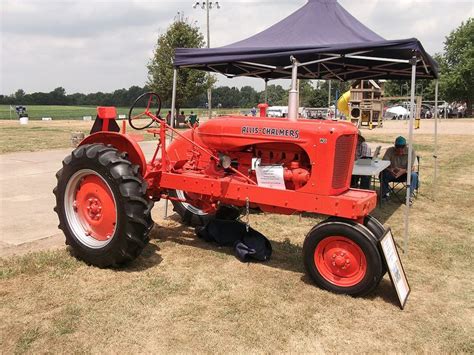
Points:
[(395, 268), (270, 176)]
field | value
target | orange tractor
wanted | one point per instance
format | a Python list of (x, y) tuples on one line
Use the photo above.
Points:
[(106, 188)]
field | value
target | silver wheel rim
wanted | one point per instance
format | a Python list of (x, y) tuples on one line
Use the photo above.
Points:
[(76, 225), (190, 208)]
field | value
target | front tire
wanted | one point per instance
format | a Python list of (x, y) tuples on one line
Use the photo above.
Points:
[(102, 206), (343, 258)]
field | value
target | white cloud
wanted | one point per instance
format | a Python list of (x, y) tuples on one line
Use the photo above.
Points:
[(86, 45)]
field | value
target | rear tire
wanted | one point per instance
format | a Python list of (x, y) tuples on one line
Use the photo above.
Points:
[(102, 206), (190, 215), (342, 257), (377, 228)]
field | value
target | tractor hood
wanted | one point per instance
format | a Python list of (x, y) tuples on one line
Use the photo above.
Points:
[(229, 133)]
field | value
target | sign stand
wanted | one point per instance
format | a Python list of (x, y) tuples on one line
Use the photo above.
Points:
[(395, 268)]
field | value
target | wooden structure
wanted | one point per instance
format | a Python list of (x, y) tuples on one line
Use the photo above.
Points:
[(366, 105)]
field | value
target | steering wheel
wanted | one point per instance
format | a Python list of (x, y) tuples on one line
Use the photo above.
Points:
[(152, 100)]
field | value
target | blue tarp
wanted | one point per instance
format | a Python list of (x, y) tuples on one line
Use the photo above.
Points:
[(322, 31)]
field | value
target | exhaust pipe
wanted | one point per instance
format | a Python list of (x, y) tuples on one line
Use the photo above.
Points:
[(293, 99)]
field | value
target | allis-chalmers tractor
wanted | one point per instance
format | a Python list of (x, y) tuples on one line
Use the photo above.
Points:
[(106, 188)]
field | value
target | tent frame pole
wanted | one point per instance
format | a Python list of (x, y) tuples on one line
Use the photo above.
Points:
[(410, 152), (329, 94), (435, 152), (173, 114), (266, 91), (209, 91)]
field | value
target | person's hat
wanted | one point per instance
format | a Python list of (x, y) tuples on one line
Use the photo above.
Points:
[(400, 141)]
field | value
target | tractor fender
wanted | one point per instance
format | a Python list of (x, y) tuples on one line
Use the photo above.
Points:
[(121, 142)]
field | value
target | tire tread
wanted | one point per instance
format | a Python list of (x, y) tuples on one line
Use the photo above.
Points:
[(131, 193)]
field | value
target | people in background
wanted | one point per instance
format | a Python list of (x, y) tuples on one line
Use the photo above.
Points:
[(253, 111), (192, 119), (362, 152), (399, 167), (168, 117)]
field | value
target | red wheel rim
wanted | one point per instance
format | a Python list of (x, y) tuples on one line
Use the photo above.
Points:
[(340, 261), (95, 207), (90, 209)]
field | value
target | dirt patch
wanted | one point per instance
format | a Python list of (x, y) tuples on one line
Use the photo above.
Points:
[(445, 127)]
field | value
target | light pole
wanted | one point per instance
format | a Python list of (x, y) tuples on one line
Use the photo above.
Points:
[(208, 5)]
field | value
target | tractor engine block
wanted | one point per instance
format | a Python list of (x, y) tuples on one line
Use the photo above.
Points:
[(295, 162)]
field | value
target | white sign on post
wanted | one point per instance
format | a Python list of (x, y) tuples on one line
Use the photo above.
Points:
[(270, 176), (395, 268), (122, 117)]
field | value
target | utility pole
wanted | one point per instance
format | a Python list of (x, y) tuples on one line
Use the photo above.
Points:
[(208, 5)]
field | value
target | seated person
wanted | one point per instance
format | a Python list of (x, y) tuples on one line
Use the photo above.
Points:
[(180, 118), (362, 151), (397, 171), (192, 119)]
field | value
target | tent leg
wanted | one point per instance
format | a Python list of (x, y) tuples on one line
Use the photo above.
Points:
[(298, 97), (266, 91), (209, 100), (410, 151), (173, 111), (435, 153), (329, 94)]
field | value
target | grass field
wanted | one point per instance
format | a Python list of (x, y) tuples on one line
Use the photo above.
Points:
[(184, 295), (38, 135), (36, 112)]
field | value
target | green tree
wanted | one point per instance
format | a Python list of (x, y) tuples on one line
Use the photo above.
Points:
[(457, 65), (424, 88), (277, 96), (190, 83), (320, 98), (57, 97), (19, 95), (226, 96), (248, 97), (307, 93)]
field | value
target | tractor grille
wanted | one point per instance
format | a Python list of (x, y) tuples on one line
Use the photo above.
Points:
[(342, 158)]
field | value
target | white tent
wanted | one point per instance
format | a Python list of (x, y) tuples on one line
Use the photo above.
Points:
[(398, 111)]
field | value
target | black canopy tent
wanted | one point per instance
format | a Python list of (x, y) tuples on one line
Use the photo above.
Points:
[(326, 40), (321, 40)]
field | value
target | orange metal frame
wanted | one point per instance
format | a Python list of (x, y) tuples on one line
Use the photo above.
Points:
[(317, 139)]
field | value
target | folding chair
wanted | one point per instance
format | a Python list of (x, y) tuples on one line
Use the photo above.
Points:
[(398, 187)]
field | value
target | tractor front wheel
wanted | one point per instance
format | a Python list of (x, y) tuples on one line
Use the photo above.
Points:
[(195, 212), (102, 206), (343, 258)]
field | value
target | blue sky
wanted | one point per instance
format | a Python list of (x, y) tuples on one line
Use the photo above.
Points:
[(88, 46)]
